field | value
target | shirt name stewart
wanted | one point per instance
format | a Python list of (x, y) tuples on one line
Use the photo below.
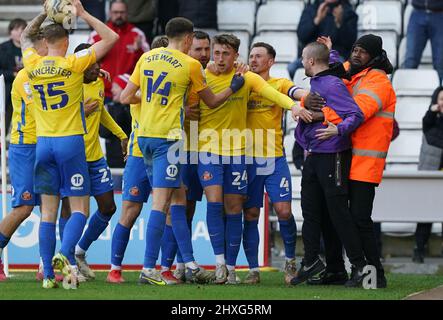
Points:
[(167, 58)]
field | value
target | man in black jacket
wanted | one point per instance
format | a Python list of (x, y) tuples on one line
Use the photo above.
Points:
[(11, 61), (334, 18), (426, 22), (202, 13)]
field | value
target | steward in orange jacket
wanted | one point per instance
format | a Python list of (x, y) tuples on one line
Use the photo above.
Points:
[(371, 89)]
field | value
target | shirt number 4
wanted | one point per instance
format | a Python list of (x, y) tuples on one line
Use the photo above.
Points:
[(154, 86)]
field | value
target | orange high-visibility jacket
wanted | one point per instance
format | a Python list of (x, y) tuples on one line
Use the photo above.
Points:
[(373, 93)]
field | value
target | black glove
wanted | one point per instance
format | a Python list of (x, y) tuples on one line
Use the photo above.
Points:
[(236, 83)]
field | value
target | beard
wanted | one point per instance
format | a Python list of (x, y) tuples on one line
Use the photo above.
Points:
[(119, 22)]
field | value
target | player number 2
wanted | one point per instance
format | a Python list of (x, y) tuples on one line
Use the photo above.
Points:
[(52, 92), (104, 178), (238, 176), (154, 86)]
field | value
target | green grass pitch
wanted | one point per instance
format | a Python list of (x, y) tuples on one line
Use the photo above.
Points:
[(24, 286)]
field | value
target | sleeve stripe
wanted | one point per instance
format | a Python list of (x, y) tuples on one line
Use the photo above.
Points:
[(292, 90)]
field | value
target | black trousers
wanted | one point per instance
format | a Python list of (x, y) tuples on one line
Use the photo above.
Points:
[(325, 189), (422, 235), (361, 196)]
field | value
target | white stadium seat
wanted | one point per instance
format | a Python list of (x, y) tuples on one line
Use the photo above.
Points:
[(426, 58), (406, 17), (389, 43), (415, 82), (290, 122), (279, 15), (409, 111), (236, 15), (288, 144), (75, 39), (284, 43), (380, 15), (406, 147), (301, 80), (280, 70)]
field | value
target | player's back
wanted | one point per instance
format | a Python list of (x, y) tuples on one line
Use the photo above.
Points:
[(23, 122), (57, 86), (164, 76)]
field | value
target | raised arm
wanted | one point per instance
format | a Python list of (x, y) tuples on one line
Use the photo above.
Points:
[(108, 37), (32, 29), (214, 100), (129, 94)]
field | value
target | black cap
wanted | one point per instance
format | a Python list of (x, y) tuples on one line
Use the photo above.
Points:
[(371, 43)]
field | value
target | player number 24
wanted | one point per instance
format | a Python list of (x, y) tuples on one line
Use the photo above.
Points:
[(153, 86), (52, 92)]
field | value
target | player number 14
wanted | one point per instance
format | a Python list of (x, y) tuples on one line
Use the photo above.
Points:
[(153, 86)]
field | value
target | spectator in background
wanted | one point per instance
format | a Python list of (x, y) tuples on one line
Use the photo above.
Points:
[(96, 8), (142, 14), (167, 9), (11, 61), (132, 44), (334, 18), (426, 22), (121, 59), (202, 13), (431, 158)]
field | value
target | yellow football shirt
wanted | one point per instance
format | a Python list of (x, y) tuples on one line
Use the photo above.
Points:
[(222, 130), (164, 76), (57, 88), (191, 144), (133, 148), (265, 121), (96, 92), (23, 122)]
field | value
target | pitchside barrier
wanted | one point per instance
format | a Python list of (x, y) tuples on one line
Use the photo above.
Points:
[(24, 249)]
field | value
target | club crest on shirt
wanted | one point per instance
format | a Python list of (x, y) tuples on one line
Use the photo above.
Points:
[(26, 196), (101, 94), (134, 191), (206, 176)]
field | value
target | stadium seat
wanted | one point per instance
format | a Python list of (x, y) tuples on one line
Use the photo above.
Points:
[(406, 148), (288, 143), (426, 59), (406, 17), (380, 15), (279, 15), (415, 82), (75, 39), (301, 80), (409, 111), (389, 43), (285, 44), (236, 15), (290, 124), (280, 70), (26, 12)]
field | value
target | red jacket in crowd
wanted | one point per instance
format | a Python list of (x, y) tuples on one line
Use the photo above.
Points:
[(124, 55)]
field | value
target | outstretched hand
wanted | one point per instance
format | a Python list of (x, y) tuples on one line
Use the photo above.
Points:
[(330, 131), (326, 41)]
